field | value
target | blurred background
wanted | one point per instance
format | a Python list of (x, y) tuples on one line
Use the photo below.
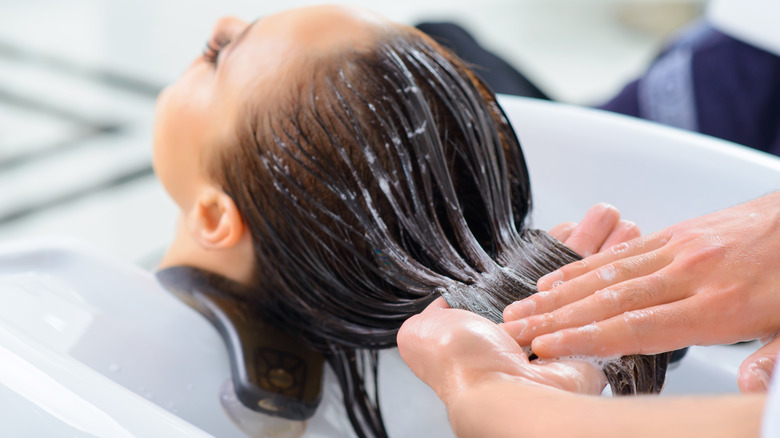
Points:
[(79, 78)]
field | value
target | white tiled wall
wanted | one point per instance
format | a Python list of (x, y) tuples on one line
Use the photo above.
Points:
[(77, 82)]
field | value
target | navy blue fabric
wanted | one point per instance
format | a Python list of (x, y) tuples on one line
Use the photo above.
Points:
[(736, 90), (704, 81)]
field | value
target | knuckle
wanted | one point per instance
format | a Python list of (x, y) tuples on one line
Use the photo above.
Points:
[(568, 272), (541, 324), (578, 266), (639, 296), (659, 280), (546, 320), (631, 266), (565, 316), (607, 298), (620, 248), (645, 291), (607, 273), (549, 301), (706, 254), (662, 237), (625, 268), (643, 325), (637, 323), (542, 301), (590, 332)]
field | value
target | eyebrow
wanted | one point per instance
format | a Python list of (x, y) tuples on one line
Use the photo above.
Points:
[(237, 41)]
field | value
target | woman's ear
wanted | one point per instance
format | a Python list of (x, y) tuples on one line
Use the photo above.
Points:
[(214, 220)]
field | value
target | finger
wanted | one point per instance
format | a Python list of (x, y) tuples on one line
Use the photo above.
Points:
[(648, 331), (410, 331), (623, 232), (756, 371), (589, 235), (572, 291), (561, 232), (438, 303), (623, 250), (644, 292)]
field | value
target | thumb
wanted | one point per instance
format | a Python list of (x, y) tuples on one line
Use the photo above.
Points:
[(756, 371)]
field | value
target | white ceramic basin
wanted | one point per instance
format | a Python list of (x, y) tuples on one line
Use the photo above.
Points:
[(91, 346)]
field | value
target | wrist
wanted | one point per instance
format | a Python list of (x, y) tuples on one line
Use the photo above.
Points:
[(503, 405)]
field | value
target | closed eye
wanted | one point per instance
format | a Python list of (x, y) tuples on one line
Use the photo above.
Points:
[(214, 46)]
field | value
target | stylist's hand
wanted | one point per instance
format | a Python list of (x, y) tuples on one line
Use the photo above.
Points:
[(600, 229), (714, 279), (453, 350)]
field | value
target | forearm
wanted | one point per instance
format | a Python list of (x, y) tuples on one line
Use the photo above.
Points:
[(510, 408)]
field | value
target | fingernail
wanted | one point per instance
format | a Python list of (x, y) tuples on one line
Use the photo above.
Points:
[(520, 309), (516, 328), (547, 342), (553, 278), (761, 377)]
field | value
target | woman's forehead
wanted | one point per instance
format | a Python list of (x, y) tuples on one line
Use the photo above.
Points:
[(315, 30), (277, 50)]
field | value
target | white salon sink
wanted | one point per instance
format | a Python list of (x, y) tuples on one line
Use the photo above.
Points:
[(92, 346)]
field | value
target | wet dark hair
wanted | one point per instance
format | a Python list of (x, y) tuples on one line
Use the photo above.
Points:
[(388, 177)]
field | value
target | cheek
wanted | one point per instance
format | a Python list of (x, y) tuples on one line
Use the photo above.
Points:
[(177, 133), (164, 143)]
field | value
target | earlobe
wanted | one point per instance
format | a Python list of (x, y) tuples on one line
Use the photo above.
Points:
[(215, 222)]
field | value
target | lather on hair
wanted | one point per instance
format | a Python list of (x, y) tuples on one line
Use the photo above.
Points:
[(385, 177)]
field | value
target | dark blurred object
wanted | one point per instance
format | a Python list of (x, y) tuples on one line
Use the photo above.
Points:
[(272, 373), (708, 82), (704, 81), (677, 355), (499, 75)]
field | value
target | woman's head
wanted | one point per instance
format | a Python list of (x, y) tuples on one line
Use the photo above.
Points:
[(359, 160), (244, 65)]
